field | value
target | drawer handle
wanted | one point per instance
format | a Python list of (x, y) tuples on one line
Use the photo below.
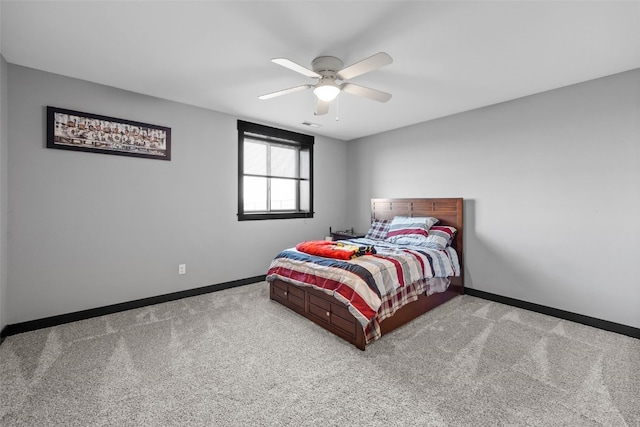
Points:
[(328, 314), (285, 293)]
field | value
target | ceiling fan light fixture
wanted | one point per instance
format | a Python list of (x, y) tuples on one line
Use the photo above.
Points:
[(327, 91)]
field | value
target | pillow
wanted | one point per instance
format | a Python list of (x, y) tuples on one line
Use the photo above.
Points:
[(405, 230), (439, 237), (378, 229)]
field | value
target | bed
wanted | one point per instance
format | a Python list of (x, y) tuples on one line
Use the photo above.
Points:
[(312, 292)]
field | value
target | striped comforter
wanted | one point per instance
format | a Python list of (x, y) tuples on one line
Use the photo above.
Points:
[(362, 283)]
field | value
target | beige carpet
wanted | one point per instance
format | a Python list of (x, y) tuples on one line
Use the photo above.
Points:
[(235, 358)]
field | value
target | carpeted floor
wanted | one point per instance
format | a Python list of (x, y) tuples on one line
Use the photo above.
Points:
[(235, 358)]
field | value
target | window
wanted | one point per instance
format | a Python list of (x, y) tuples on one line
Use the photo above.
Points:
[(275, 173)]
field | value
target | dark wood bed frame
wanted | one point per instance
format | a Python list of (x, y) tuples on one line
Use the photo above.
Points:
[(331, 314)]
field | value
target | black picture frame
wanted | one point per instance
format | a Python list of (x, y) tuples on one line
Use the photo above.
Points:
[(94, 133)]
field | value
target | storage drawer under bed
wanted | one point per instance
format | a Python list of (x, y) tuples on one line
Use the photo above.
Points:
[(322, 309), (288, 295), (333, 313)]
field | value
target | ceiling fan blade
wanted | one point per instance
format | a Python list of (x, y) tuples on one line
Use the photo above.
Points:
[(322, 107), (285, 91), (371, 63), (295, 67), (376, 95)]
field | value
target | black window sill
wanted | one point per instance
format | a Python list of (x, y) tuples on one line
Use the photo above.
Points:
[(279, 215)]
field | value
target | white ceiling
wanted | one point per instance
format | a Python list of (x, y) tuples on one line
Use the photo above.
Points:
[(449, 56)]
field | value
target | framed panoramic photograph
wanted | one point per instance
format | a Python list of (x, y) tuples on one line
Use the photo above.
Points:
[(74, 130)]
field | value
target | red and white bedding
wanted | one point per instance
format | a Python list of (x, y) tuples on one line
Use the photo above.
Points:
[(365, 282)]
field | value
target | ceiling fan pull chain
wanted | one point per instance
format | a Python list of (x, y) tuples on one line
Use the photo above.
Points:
[(338, 108)]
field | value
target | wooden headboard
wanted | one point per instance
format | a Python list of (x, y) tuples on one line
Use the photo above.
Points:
[(448, 211)]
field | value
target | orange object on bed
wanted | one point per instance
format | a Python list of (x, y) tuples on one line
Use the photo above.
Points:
[(336, 250)]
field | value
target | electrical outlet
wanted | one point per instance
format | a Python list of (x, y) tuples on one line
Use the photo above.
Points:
[(182, 269)]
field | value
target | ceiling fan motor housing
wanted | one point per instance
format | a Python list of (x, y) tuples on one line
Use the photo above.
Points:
[(327, 66)]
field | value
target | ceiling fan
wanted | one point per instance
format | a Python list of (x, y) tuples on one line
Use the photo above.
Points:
[(328, 70)]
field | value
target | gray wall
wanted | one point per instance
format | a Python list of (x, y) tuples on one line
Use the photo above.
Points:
[(89, 230), (3, 192), (557, 172), (552, 189)]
